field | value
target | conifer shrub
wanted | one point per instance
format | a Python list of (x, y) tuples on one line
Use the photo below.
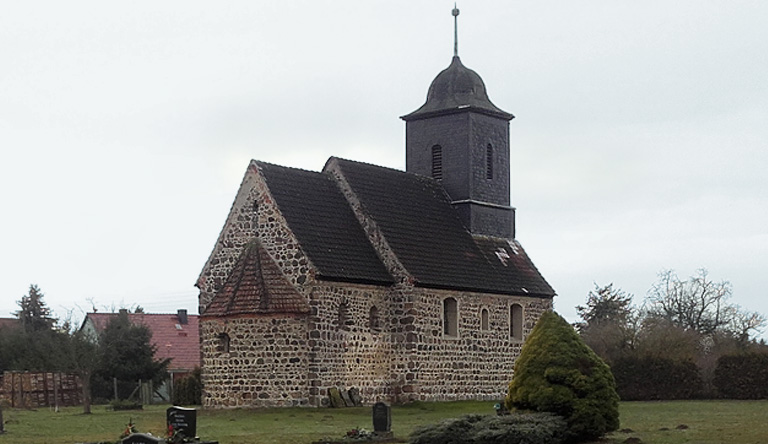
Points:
[(530, 428), (189, 389), (556, 372)]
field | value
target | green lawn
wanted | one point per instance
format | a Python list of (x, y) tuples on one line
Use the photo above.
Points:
[(708, 422)]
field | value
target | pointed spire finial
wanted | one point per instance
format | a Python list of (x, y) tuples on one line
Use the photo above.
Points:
[(455, 14)]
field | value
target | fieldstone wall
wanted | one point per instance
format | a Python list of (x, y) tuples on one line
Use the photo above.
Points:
[(350, 347), (476, 363), (266, 363)]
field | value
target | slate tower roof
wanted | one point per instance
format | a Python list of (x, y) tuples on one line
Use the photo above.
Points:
[(457, 89)]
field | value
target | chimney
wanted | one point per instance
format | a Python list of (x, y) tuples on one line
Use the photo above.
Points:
[(182, 315)]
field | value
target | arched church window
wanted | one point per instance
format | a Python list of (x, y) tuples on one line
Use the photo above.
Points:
[(489, 161), (222, 343), (484, 319), (437, 162), (450, 317), (373, 319), (516, 321)]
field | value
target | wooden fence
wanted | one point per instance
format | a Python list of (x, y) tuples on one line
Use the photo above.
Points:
[(33, 390)]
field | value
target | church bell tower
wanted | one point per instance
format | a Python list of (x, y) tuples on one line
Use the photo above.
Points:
[(462, 139)]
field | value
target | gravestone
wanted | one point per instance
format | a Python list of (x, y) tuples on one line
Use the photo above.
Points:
[(354, 394), (2, 424), (182, 420), (345, 397), (382, 418), (335, 396), (142, 438)]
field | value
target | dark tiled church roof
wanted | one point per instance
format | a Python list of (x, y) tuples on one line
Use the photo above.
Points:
[(324, 224), (256, 285), (417, 220)]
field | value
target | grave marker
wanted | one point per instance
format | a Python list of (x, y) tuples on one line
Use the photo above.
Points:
[(335, 397), (382, 418), (354, 394), (346, 398), (142, 438), (182, 420)]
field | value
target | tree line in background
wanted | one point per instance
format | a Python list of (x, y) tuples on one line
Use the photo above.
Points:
[(122, 353), (686, 340)]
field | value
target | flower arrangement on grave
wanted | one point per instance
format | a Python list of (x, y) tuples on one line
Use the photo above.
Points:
[(177, 436), (359, 434), (129, 429)]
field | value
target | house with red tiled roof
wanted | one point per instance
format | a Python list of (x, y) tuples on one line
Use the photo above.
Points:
[(175, 336), (9, 323)]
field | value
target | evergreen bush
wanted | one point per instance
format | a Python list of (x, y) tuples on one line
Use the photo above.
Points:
[(188, 390), (556, 372), (530, 428), (649, 378), (742, 376)]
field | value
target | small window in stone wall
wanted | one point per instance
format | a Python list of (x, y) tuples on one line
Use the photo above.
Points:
[(373, 319), (516, 321), (222, 343), (344, 320), (489, 161), (484, 319), (450, 317)]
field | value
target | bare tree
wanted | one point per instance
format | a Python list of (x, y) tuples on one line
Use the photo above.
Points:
[(699, 304)]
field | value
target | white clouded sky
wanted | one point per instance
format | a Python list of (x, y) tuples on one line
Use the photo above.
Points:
[(640, 141)]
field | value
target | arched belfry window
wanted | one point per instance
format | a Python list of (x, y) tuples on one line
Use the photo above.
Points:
[(516, 321), (489, 161), (437, 162), (450, 317)]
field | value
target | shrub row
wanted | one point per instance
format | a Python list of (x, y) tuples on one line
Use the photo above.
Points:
[(528, 428), (737, 376), (742, 376), (653, 378)]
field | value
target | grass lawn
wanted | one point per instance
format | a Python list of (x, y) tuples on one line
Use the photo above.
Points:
[(707, 422)]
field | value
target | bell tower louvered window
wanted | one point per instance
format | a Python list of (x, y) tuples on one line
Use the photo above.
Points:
[(489, 161), (437, 162)]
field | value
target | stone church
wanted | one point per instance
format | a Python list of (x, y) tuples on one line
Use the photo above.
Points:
[(405, 285)]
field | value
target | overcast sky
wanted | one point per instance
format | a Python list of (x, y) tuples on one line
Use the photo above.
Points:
[(640, 141)]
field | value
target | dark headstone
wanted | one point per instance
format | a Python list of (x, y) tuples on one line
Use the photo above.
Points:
[(382, 417), (354, 394), (347, 400), (335, 396), (182, 420), (2, 424), (142, 438)]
